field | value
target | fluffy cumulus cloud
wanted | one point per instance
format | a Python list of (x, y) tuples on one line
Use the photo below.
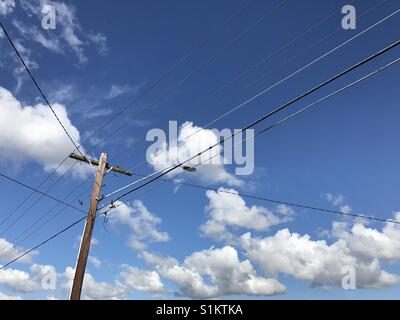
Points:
[(142, 223), (189, 282), (92, 289), (18, 280), (68, 35), (320, 263), (8, 252), (128, 281), (189, 142), (42, 280), (141, 280), (369, 243), (25, 282), (7, 6), (32, 132), (226, 209), (228, 275)]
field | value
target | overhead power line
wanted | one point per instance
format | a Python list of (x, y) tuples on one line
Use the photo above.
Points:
[(189, 160), (38, 87), (269, 114), (281, 66), (289, 76), (44, 242), (292, 204), (16, 243), (268, 57), (241, 194), (191, 52), (309, 207), (23, 213), (55, 115), (178, 63), (6, 250), (35, 247), (198, 68), (114, 205), (5, 219), (163, 76), (264, 60), (40, 192)]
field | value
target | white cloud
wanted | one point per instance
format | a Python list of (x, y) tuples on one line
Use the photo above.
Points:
[(6, 7), (129, 280), (66, 23), (9, 252), (32, 132), (66, 15), (345, 208), (93, 242), (100, 40), (321, 263), (92, 289), (227, 209), (189, 282), (371, 243), (4, 296), (20, 82), (338, 201), (231, 275), (33, 33), (228, 275), (26, 55), (68, 32), (24, 282), (63, 93), (94, 113), (18, 280), (158, 260), (142, 223), (117, 90), (96, 262), (142, 280), (185, 147), (284, 210)]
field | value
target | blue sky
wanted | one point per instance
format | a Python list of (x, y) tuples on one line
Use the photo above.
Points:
[(340, 155)]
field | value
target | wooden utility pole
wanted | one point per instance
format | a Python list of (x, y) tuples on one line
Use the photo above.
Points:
[(102, 165)]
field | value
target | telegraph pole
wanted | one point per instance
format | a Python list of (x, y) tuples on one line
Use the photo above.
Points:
[(102, 165)]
